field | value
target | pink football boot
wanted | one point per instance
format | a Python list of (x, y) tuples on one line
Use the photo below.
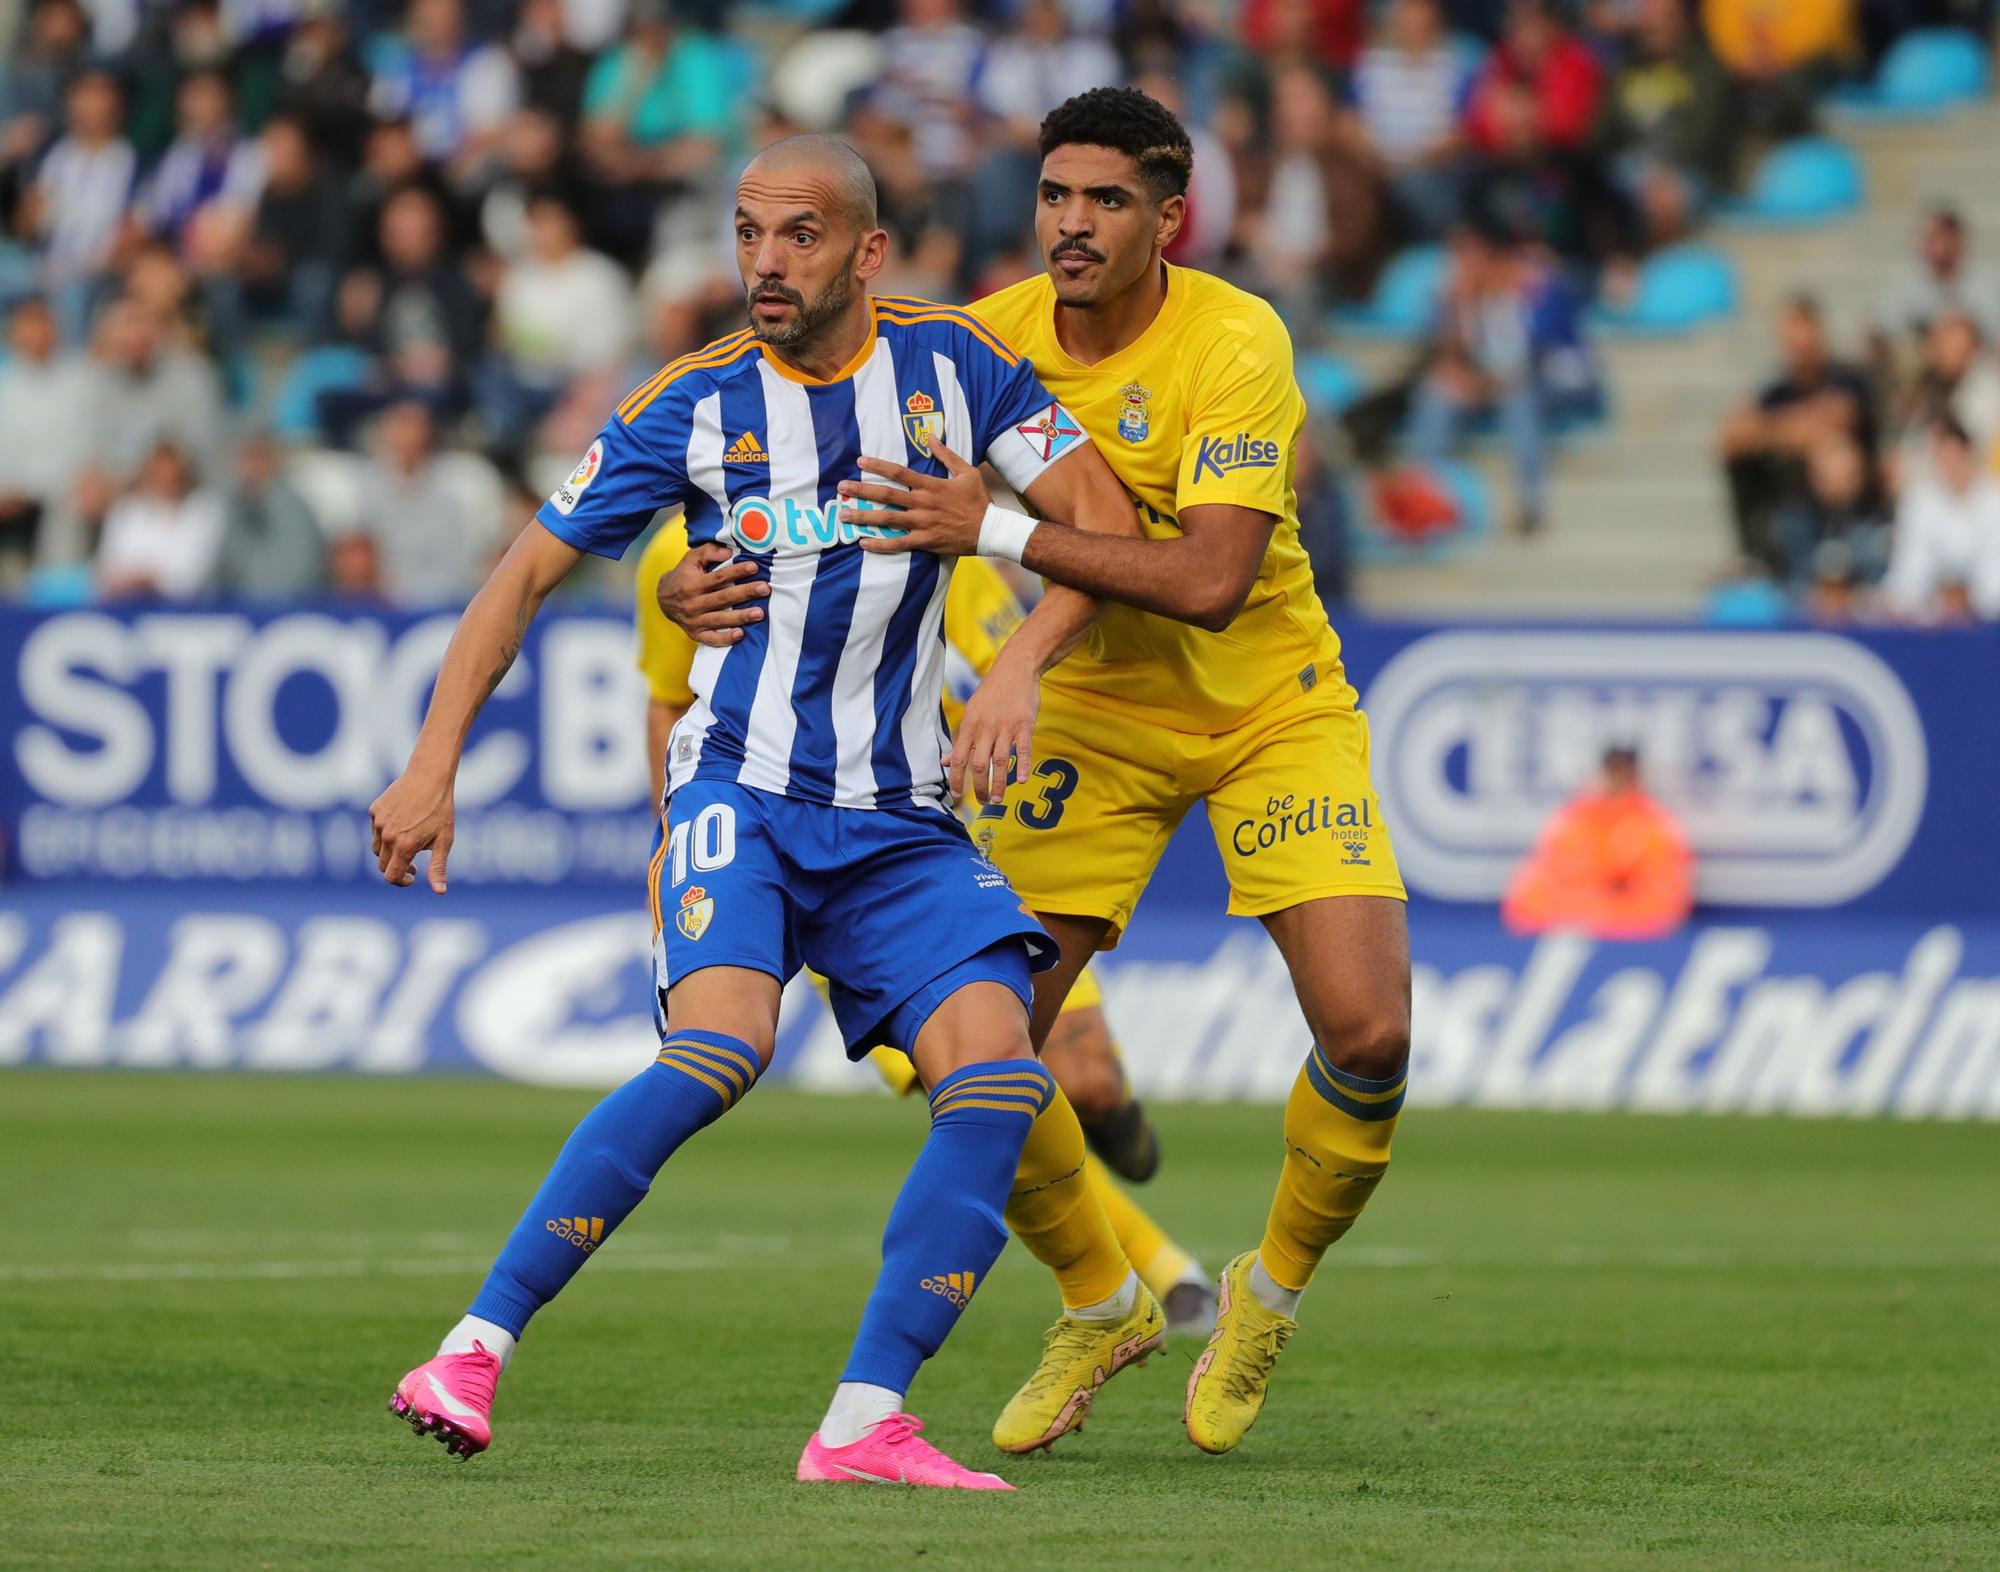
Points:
[(891, 1454), (451, 1397)]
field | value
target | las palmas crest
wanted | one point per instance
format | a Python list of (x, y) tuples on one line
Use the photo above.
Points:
[(1133, 422), (924, 422), (696, 913)]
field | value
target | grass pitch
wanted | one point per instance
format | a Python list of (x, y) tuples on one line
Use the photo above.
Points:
[(1579, 1342)]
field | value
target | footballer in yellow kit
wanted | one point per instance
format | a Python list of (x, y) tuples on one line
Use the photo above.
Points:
[(1211, 677), (981, 610)]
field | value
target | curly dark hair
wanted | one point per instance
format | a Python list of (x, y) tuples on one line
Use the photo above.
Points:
[(1129, 122)]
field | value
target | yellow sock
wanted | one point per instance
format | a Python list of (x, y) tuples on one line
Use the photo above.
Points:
[(1159, 1262), (1057, 1214), (1337, 1132)]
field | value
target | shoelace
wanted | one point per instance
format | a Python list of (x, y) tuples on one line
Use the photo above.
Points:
[(1049, 1373), (1256, 1355), (897, 1429), (480, 1374)]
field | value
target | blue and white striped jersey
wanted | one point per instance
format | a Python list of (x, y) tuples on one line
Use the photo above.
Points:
[(835, 696)]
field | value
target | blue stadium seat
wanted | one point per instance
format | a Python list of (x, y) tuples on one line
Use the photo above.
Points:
[(1925, 73), (1679, 290), (1801, 182), (1329, 383), (295, 405), (1405, 297)]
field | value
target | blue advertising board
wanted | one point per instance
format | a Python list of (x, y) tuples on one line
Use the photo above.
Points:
[(183, 797)]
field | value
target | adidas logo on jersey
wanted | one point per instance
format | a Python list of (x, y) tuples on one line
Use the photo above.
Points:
[(586, 1233), (746, 449), (953, 1286)]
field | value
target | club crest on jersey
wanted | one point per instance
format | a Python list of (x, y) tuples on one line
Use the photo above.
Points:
[(924, 422), (1134, 423), (566, 496), (1054, 430), (697, 911)]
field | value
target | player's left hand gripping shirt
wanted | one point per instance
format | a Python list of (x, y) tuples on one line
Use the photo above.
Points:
[(834, 697)]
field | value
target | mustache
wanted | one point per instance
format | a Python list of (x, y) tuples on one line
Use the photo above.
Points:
[(771, 286), (1076, 248)]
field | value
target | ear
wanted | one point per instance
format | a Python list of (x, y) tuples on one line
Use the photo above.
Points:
[(1172, 214), (872, 254)]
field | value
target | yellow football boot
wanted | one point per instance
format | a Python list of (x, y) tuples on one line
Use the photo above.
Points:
[(1078, 1357), (1226, 1390)]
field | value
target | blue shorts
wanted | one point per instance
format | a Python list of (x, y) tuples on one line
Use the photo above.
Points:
[(895, 907)]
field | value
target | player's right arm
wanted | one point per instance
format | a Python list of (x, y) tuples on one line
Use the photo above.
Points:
[(609, 497), (415, 813)]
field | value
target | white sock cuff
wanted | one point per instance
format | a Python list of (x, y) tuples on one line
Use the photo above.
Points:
[(1115, 1308), (472, 1329)]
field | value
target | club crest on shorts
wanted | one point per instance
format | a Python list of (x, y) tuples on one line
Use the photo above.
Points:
[(1133, 422), (696, 913), (924, 422)]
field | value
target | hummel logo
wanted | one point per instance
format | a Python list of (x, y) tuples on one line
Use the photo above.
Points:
[(954, 1286), (746, 449), (586, 1233)]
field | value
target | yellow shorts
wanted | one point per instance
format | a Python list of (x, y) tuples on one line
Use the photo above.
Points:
[(894, 1066), (1288, 798)]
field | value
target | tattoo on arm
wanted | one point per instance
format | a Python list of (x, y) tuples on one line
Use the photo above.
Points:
[(508, 652)]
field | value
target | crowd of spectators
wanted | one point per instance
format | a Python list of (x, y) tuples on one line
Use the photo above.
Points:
[(307, 297), (1870, 487)]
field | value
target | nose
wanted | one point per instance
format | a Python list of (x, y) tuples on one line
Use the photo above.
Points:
[(1074, 220), (769, 261)]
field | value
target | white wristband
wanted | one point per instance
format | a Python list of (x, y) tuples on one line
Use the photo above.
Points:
[(1004, 533)]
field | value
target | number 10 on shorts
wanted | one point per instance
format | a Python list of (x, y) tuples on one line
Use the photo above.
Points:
[(707, 842)]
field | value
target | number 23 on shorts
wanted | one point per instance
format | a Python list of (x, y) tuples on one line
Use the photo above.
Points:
[(1044, 810)]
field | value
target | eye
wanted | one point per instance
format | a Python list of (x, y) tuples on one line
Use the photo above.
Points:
[(747, 235), (804, 237), (1109, 201)]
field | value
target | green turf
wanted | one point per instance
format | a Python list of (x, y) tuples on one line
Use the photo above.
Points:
[(1584, 1342)]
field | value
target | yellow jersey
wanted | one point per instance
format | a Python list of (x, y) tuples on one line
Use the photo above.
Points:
[(980, 610), (1202, 407)]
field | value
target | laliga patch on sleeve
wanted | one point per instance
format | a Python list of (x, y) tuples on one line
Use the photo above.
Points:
[(1052, 432), (570, 492)]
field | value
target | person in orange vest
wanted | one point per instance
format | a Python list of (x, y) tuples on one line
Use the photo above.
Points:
[(1612, 863)]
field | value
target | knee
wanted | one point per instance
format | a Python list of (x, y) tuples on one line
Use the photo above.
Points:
[(1093, 1086), (1374, 1047)]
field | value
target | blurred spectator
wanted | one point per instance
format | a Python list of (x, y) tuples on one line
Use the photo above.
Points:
[(1940, 278), (1836, 530), (1612, 863), (76, 208), (46, 418), (1315, 229), (1042, 62), (455, 92), (1946, 562), (1325, 34), (662, 112), (299, 235), (430, 548), (929, 64), (563, 321), (1541, 63), (1766, 442), (533, 159), (145, 388), (926, 245), (1781, 53), (271, 548), (1668, 124), (322, 81), (1959, 378), (49, 55), (553, 70), (1508, 342), (161, 538), (203, 192), (425, 321), (392, 163), (354, 569), (1409, 91)]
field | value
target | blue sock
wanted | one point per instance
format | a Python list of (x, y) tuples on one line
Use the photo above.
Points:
[(945, 1231), (606, 1166)]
